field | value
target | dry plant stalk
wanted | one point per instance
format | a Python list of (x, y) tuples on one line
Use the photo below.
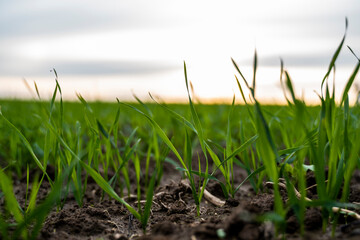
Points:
[(207, 195), (282, 185)]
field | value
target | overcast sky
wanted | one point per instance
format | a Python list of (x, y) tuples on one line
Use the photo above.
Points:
[(133, 43)]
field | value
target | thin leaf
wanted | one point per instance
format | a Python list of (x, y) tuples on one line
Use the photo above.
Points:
[(26, 143), (336, 54), (257, 171), (149, 199), (349, 83), (242, 76), (108, 189), (160, 132), (11, 203)]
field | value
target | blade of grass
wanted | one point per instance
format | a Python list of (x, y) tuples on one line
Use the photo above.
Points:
[(35, 189), (3, 228), (265, 145), (257, 171), (96, 176), (349, 83), (26, 143), (335, 56), (228, 151), (242, 76), (159, 131), (11, 203), (195, 117), (177, 116), (254, 74), (137, 176), (149, 199), (41, 212), (236, 152), (108, 189)]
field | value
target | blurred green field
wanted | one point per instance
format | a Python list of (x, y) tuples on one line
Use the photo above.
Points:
[(25, 115)]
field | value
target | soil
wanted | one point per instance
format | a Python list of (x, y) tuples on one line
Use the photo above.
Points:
[(173, 215)]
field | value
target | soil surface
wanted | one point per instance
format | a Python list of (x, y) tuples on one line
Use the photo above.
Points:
[(173, 214)]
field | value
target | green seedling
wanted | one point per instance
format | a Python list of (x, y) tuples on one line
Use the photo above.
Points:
[(265, 144)]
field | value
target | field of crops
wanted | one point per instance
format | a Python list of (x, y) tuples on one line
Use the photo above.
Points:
[(303, 158)]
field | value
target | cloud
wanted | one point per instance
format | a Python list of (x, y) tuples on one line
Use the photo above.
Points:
[(43, 19), (24, 18), (31, 68), (310, 60), (112, 67)]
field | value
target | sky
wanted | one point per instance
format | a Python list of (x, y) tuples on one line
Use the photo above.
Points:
[(113, 49)]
